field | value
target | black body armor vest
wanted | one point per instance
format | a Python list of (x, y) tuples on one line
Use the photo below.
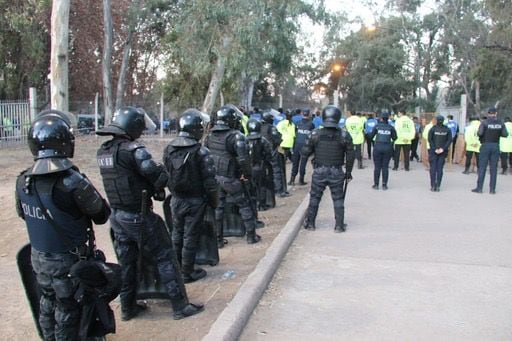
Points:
[(224, 161), (329, 148)]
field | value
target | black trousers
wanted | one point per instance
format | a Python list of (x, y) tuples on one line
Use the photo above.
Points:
[(469, 156), (436, 168), (407, 150), (277, 172), (359, 153), (414, 149), (187, 218), (59, 315), (332, 177), (233, 187), (299, 162), (382, 154), (506, 160), (369, 144), (489, 155), (132, 230)]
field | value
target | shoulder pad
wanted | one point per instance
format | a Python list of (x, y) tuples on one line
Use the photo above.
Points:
[(203, 151), (72, 179), (238, 136), (141, 153), (134, 145)]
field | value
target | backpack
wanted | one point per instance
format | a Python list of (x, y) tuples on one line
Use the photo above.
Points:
[(179, 164)]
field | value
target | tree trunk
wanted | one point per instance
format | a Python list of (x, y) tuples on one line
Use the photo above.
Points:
[(477, 97), (59, 55), (218, 74), (107, 61)]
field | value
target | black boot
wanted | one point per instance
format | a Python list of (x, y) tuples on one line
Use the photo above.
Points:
[(340, 222), (360, 164), (187, 270), (302, 182), (309, 226), (252, 237), (128, 313), (183, 308), (466, 171), (292, 181)]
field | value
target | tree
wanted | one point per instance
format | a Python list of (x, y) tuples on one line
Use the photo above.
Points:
[(59, 55)]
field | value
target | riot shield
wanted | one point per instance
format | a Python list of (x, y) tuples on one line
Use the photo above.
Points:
[(28, 278)]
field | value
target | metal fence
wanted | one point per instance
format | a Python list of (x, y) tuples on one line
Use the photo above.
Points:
[(14, 122)]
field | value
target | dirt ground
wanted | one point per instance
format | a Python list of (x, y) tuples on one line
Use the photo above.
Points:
[(214, 291)]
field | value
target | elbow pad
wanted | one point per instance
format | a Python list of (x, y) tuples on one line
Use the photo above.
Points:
[(153, 172)]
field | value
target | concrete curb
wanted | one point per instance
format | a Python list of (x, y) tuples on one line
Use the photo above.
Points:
[(232, 320)]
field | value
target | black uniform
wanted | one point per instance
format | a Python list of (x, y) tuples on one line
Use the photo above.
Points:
[(384, 135), (261, 157), (331, 147), (185, 158), (489, 132), (304, 129), (270, 133), (55, 189), (230, 152), (439, 137)]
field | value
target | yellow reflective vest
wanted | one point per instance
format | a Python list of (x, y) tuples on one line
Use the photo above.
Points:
[(425, 133), (287, 130), (471, 137), (245, 119), (355, 127), (506, 142), (405, 130)]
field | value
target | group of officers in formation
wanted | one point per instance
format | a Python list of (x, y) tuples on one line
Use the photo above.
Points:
[(241, 159)]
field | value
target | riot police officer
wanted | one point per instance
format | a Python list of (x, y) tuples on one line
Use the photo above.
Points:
[(261, 156), (384, 135), (192, 184), (230, 153), (57, 203), (333, 148), (271, 134), (304, 129), (489, 131), (439, 139), (128, 169)]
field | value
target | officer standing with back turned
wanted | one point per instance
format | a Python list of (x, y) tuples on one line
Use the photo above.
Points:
[(58, 204), (192, 184), (127, 169), (489, 132), (230, 153), (333, 148)]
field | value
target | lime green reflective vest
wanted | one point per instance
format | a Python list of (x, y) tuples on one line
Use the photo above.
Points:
[(287, 130), (471, 137), (245, 119), (425, 133), (506, 142), (405, 130), (355, 127)]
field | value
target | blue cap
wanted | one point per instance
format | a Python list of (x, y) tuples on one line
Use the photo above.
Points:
[(384, 115), (492, 110)]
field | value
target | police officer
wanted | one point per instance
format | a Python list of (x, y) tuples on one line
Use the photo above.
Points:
[(439, 139), (406, 132), (127, 169), (355, 127), (384, 135), (331, 146), (472, 143), (192, 184), (489, 132), (58, 204), (270, 133), (287, 129), (454, 129), (304, 129), (261, 156), (230, 153), (370, 123), (506, 147)]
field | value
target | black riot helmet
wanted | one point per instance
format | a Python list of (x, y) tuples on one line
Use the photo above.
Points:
[(229, 115), (267, 117), (190, 124), (51, 136), (127, 121), (254, 128), (331, 116)]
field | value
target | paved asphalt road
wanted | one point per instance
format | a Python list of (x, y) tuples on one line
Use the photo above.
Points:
[(413, 265)]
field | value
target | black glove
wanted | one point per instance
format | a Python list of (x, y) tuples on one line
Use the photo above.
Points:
[(348, 176), (160, 195)]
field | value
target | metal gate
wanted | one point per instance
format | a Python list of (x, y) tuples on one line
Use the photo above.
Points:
[(14, 123)]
